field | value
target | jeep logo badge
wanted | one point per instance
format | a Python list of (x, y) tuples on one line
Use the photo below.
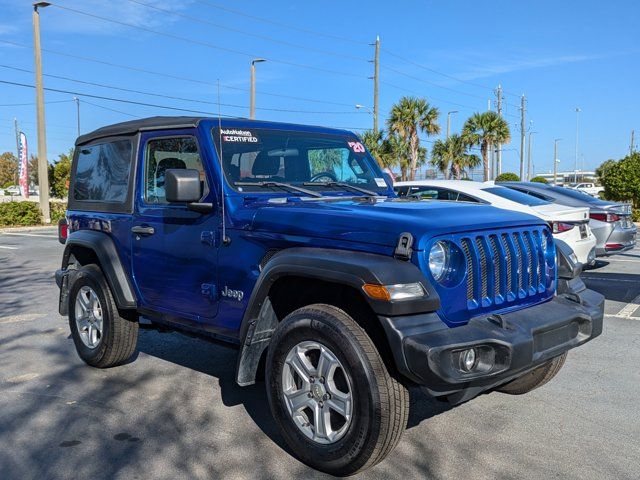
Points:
[(236, 294)]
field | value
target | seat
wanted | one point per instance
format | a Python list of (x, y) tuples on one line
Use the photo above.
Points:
[(163, 166)]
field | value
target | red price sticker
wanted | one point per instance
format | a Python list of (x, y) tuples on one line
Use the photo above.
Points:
[(357, 147)]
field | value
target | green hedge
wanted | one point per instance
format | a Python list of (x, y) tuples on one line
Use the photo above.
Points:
[(507, 177), (26, 214)]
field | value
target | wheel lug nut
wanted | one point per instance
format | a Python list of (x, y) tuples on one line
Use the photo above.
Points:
[(309, 394), (321, 379), (312, 380), (325, 396), (321, 405)]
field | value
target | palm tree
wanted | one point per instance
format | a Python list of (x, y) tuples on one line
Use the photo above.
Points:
[(395, 151), (450, 156), (374, 141), (486, 129), (410, 117)]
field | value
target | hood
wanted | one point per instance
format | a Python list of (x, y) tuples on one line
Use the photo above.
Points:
[(562, 213), (382, 221)]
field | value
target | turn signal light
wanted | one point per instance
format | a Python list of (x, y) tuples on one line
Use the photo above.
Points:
[(387, 293), (559, 227)]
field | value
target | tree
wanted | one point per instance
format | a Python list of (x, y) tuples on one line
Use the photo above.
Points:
[(59, 174), (485, 130), (622, 180), (508, 177), (539, 180), (395, 150), (410, 117), (32, 170), (602, 170), (374, 141), (8, 169), (450, 156)]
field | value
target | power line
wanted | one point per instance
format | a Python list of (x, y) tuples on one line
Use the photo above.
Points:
[(110, 109), (175, 77), (32, 103), (280, 24), (243, 32), (452, 77), (153, 94), (206, 44)]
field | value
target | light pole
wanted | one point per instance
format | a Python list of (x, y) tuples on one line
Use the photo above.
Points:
[(371, 112), (449, 121), (43, 179), (77, 100), (555, 160), (575, 172), (529, 158), (252, 100)]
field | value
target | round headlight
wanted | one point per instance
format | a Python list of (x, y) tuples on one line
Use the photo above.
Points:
[(438, 260)]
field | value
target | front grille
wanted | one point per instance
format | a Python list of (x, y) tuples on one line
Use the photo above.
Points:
[(503, 267)]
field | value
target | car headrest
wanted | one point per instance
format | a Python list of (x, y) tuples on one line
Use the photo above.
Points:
[(169, 162), (264, 165)]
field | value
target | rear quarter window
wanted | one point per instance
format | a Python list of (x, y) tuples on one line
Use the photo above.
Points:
[(102, 172)]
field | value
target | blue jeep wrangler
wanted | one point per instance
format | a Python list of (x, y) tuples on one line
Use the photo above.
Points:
[(288, 242)]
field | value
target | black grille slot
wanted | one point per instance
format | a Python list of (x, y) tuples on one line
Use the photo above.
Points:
[(536, 242), (467, 255), (530, 253), (493, 241), (520, 254), (483, 267), (507, 250)]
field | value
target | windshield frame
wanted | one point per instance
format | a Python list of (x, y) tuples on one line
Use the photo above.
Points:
[(334, 190)]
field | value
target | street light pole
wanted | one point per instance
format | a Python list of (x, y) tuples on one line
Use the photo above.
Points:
[(555, 160), (371, 112), (43, 179), (77, 100), (575, 173), (449, 121), (252, 100)]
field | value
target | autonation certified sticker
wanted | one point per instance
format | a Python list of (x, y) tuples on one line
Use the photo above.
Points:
[(238, 136)]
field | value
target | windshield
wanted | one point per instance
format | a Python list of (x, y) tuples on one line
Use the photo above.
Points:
[(516, 196), (256, 159)]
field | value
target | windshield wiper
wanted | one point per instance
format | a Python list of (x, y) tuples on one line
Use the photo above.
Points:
[(348, 186), (284, 186)]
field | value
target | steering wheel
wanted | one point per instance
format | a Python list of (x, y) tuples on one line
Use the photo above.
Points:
[(330, 175)]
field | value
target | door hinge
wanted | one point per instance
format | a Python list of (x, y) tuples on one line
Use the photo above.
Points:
[(210, 238)]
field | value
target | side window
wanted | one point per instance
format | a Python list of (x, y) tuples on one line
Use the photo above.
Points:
[(162, 154), (466, 198), (102, 172), (423, 192), (447, 195)]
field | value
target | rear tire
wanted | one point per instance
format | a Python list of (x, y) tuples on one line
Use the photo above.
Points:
[(102, 337), (378, 404), (535, 378)]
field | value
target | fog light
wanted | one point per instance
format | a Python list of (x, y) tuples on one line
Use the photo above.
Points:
[(468, 360)]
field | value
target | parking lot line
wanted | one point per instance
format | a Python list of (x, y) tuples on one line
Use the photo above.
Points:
[(17, 234), (610, 315), (8, 248), (629, 308)]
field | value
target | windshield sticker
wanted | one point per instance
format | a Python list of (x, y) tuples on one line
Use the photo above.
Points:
[(357, 147), (380, 182), (238, 136)]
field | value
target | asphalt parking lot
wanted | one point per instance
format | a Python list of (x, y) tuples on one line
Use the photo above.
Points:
[(175, 412)]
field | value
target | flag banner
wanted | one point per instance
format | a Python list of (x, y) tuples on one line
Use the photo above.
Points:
[(23, 157)]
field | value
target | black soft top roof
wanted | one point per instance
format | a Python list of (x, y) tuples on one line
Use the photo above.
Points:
[(134, 126)]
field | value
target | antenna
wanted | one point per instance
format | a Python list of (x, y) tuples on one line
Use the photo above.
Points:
[(225, 240)]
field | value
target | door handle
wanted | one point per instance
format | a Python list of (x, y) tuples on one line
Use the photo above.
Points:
[(141, 230)]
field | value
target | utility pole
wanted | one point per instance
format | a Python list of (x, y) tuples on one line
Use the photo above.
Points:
[(632, 146), (555, 160), (376, 82), (77, 100), (17, 132), (43, 178), (252, 91), (449, 121), (529, 158), (522, 134), (499, 108), (575, 172)]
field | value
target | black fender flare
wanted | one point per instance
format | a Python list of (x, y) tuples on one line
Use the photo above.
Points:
[(106, 252), (350, 268)]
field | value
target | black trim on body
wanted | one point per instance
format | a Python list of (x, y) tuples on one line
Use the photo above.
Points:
[(102, 245)]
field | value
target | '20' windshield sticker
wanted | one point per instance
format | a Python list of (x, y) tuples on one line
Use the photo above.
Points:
[(238, 136), (357, 147)]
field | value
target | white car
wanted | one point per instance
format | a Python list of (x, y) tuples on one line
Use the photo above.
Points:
[(570, 224), (588, 188)]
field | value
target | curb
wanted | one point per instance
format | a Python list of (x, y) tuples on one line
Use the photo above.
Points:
[(26, 229)]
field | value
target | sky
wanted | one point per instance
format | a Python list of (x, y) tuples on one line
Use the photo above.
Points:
[(560, 55)]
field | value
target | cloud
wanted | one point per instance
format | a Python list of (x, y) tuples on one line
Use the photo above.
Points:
[(516, 64)]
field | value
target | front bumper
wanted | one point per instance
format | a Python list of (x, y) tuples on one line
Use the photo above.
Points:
[(508, 344)]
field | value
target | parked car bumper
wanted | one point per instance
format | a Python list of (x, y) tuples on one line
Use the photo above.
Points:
[(506, 345), (620, 239)]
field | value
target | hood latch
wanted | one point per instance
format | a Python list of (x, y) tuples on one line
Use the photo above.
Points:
[(403, 248)]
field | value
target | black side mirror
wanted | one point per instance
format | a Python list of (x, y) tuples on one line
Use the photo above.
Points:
[(182, 185)]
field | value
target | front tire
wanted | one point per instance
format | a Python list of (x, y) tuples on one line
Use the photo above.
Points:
[(535, 378), (102, 337), (330, 393)]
